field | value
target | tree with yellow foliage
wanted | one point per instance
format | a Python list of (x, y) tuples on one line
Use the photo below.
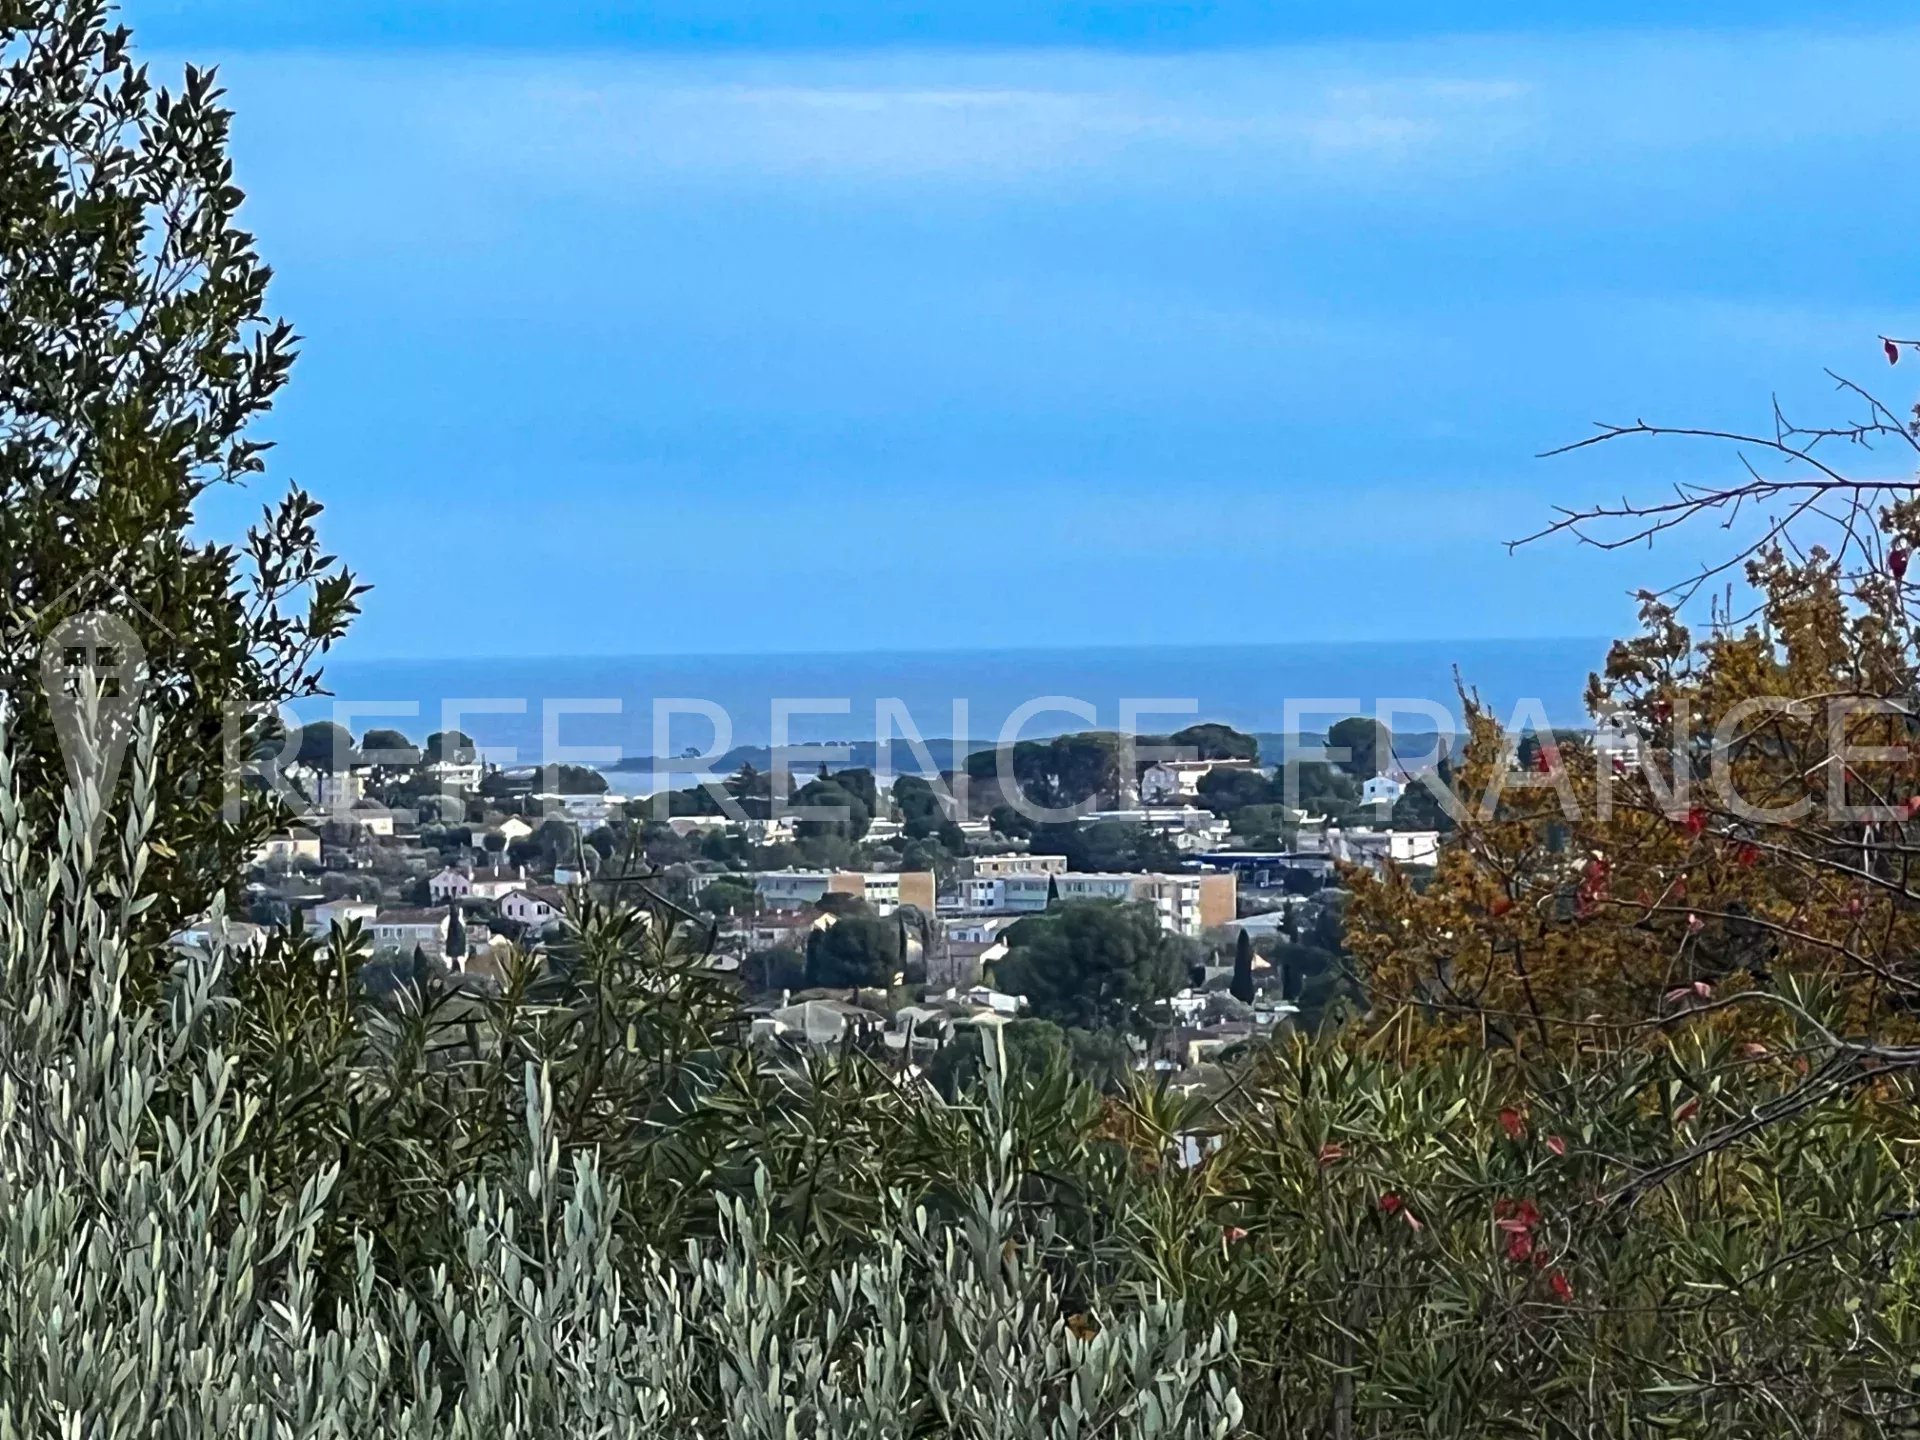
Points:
[(1747, 844)]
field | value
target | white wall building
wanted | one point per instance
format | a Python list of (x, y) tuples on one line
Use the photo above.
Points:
[(402, 929), (885, 891), (1382, 790), (1167, 780), (322, 917), (454, 883), (1376, 848), (456, 775), (1187, 904), (587, 809), (289, 848), (539, 908)]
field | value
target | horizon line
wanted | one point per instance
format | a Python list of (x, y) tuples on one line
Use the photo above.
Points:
[(961, 650)]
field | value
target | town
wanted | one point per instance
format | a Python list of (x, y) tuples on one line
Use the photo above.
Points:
[(901, 923)]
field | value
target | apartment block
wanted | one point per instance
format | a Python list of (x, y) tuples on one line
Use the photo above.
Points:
[(1187, 904), (884, 891)]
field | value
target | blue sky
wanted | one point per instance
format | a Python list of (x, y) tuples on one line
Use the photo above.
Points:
[(730, 326)]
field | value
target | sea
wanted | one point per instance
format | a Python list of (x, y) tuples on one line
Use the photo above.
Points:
[(601, 710)]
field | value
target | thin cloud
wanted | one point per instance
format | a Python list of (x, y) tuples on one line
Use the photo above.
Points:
[(786, 119)]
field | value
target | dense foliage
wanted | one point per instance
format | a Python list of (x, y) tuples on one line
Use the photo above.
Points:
[(269, 1198), (136, 353)]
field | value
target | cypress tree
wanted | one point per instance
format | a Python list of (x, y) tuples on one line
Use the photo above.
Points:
[(1242, 987)]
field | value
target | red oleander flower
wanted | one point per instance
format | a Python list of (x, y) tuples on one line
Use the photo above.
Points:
[(1514, 1123), (1557, 1145), (1686, 1111), (1331, 1152), (1515, 1216), (1562, 1287)]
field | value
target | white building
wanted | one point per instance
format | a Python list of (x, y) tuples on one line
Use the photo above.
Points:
[(327, 913), (325, 789), (402, 929), (1382, 790), (884, 891), (539, 908), (1617, 739), (775, 830), (1172, 896), (822, 1023), (293, 846), (454, 883), (586, 809), (455, 775), (1187, 903), (224, 934), (990, 999), (980, 866), (372, 819), (1377, 848), (449, 884), (1167, 780), (978, 932), (1021, 894)]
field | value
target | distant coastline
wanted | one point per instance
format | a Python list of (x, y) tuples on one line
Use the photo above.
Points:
[(606, 705)]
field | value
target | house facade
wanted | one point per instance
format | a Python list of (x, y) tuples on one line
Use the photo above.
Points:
[(454, 883), (584, 809), (1170, 780), (454, 775), (405, 927), (1382, 790), (1187, 903), (1378, 848), (289, 848), (539, 908), (978, 867), (884, 891), (322, 917)]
